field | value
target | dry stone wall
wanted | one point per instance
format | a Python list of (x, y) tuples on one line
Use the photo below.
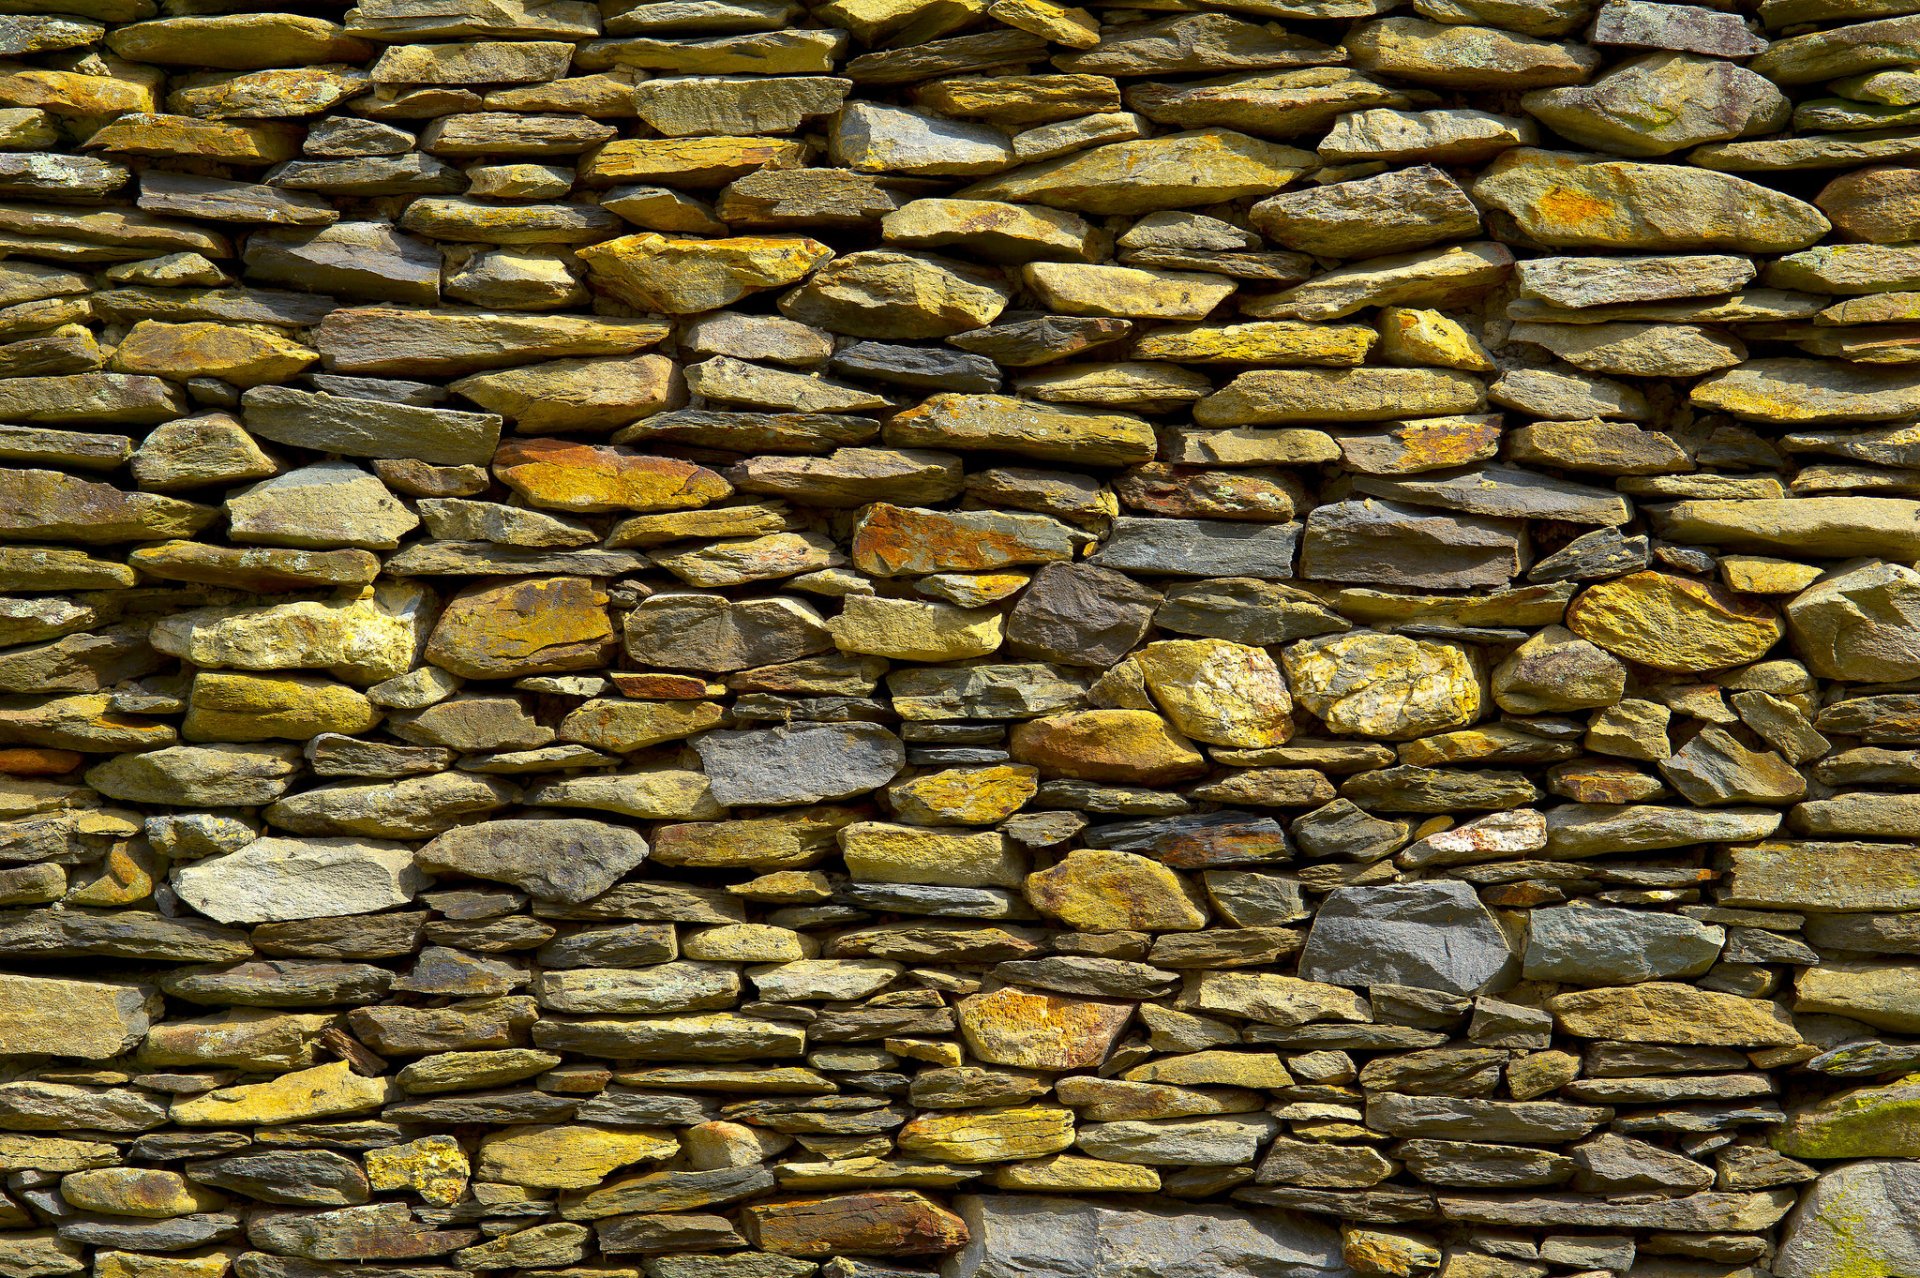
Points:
[(715, 639)]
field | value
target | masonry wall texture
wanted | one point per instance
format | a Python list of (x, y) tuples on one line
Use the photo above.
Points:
[(712, 639)]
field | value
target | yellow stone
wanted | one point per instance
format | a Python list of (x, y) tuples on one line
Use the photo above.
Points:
[(1075, 288), (230, 352), (126, 87), (1214, 1069), (1370, 684), (1029, 1030), (1414, 338), (1668, 1012), (1759, 575), (1178, 171), (1002, 423), (689, 162), (133, 1264), (1072, 27), (245, 707), (565, 474), (433, 1167), (125, 876), (238, 41), (22, 1152), (985, 795), (1223, 693), (1260, 342), (680, 277), (506, 629), (138, 1191), (1131, 747), (932, 1050), (266, 94), (877, 852), (989, 1135), (183, 136), (1388, 1252), (1096, 890), (1674, 623), (1274, 999), (251, 1038), (1075, 1174), (909, 630), (321, 1092), (620, 726), (748, 943), (567, 1156)]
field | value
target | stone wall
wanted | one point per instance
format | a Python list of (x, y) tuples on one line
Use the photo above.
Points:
[(702, 639)]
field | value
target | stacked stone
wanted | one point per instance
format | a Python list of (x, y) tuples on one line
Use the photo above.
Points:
[(712, 639)]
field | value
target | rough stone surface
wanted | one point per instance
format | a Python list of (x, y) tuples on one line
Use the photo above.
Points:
[(731, 639)]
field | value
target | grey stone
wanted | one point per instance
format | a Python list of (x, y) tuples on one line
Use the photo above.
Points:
[(370, 427), (799, 763), (1200, 548), (351, 259), (1856, 1219), (566, 859), (1080, 615), (1388, 543), (1038, 1236), (1431, 935), (1596, 945)]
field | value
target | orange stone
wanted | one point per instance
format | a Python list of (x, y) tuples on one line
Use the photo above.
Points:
[(888, 1222), (654, 686), (560, 474), (1130, 747), (526, 626), (28, 761), (893, 540), (1012, 1026)]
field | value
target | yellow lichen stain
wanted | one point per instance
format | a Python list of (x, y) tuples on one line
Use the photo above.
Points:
[(1570, 208)]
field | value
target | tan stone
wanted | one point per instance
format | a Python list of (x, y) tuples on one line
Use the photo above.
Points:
[(1666, 1012), (138, 1191)]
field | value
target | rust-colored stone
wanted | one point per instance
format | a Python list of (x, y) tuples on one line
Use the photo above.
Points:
[(881, 1223), (561, 474), (525, 626)]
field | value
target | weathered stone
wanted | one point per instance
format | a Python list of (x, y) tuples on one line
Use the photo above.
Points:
[(1425, 935), (1575, 201), (567, 859), (1674, 623), (1176, 171), (95, 1019), (803, 763), (1663, 1012), (1017, 1234), (1850, 1222), (274, 878), (1381, 685), (681, 276)]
